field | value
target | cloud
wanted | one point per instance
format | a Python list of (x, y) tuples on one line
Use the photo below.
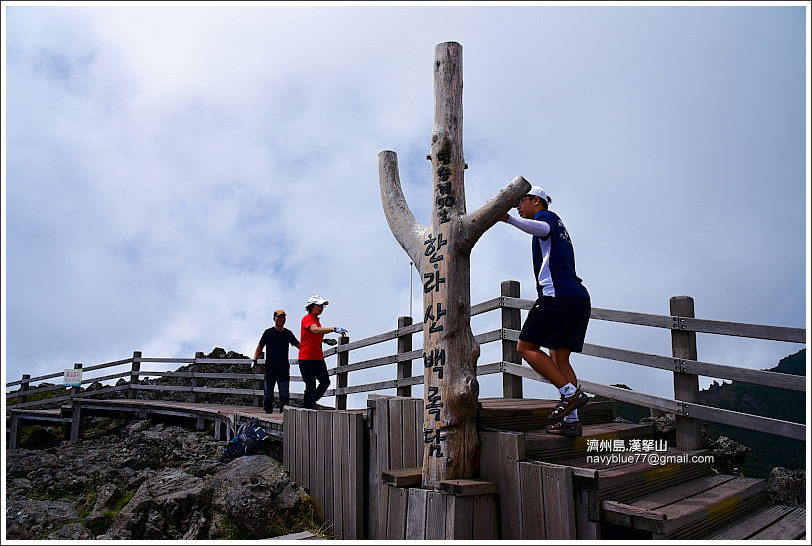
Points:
[(176, 173)]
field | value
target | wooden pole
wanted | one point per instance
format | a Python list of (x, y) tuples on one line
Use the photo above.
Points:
[(75, 390), (196, 382), (21, 398), (511, 320), (686, 385), (136, 367), (441, 254), (259, 384), (341, 377), (405, 367)]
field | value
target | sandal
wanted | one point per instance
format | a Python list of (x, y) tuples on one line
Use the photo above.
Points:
[(568, 405), (570, 430)]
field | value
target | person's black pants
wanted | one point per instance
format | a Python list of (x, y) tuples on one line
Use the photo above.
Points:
[(312, 371), (274, 375)]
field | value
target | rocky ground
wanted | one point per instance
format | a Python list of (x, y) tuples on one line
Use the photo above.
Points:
[(150, 480)]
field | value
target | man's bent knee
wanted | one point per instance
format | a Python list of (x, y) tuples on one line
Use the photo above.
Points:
[(526, 350)]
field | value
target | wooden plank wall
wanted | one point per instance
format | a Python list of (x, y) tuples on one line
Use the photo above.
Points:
[(422, 514), (536, 499), (395, 441), (324, 452)]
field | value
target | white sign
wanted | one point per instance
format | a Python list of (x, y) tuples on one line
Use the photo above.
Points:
[(73, 378)]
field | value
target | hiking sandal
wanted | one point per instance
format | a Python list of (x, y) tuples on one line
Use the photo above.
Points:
[(568, 405)]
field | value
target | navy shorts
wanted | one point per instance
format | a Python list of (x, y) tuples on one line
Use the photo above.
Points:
[(557, 323)]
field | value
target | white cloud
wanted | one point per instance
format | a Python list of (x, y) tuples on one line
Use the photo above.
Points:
[(176, 173)]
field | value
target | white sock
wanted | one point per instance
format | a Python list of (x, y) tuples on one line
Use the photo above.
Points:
[(571, 417), (567, 390)]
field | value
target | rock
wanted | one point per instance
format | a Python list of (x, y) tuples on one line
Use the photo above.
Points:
[(665, 427), (728, 455), (786, 486), (32, 519), (71, 531), (158, 508), (256, 495)]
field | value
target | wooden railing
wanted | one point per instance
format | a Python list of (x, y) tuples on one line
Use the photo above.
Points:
[(683, 363)]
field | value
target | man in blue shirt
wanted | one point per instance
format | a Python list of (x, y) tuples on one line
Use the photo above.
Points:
[(559, 317)]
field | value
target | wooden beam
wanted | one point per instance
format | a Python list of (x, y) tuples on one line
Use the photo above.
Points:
[(402, 477), (468, 487)]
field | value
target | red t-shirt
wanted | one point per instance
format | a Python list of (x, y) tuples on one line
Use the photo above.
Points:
[(310, 346)]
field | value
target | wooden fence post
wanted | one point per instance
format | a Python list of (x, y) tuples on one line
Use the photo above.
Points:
[(259, 384), (23, 387), (196, 382), (136, 367), (405, 367), (511, 320), (341, 377), (686, 385), (75, 390)]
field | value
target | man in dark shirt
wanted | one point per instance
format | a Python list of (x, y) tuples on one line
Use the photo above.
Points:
[(277, 366)]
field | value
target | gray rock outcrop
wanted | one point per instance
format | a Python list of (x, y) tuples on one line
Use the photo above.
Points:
[(149, 481)]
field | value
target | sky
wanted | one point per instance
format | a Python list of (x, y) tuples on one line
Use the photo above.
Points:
[(173, 174)]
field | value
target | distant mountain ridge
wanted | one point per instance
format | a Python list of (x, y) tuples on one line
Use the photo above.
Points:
[(768, 450)]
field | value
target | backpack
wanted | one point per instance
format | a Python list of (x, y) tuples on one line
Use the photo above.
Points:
[(247, 441)]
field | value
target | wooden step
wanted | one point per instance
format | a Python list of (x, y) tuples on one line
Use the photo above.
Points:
[(522, 414), (540, 446), (688, 510), (778, 522), (633, 474)]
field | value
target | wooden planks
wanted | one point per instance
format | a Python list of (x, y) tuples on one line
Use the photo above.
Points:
[(689, 510), (745, 528), (551, 448), (530, 414), (559, 513), (324, 452), (396, 435)]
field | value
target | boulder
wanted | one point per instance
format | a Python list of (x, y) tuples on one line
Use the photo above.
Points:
[(30, 519), (160, 507), (728, 455), (786, 486), (255, 495)]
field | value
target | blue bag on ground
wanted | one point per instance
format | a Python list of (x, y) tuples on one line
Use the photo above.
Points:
[(247, 441)]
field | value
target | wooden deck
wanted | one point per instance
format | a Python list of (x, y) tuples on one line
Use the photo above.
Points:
[(679, 499)]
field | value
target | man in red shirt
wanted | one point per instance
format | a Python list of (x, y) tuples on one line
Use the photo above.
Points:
[(311, 356)]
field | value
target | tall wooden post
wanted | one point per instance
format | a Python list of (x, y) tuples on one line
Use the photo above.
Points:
[(22, 398), (441, 254), (196, 381), (342, 359), (511, 320), (136, 367), (259, 384), (686, 385), (404, 367)]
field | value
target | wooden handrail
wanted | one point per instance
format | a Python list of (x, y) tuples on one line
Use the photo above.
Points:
[(786, 429), (508, 369), (669, 322)]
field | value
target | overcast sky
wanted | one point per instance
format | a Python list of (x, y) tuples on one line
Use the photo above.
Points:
[(174, 174)]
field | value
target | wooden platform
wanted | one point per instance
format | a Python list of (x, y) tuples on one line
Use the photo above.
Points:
[(689, 510), (778, 522), (540, 446), (631, 476), (528, 414)]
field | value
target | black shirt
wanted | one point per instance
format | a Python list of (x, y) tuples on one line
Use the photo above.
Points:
[(276, 346)]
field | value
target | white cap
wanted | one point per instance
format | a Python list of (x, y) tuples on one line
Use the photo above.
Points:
[(536, 190), (318, 300)]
